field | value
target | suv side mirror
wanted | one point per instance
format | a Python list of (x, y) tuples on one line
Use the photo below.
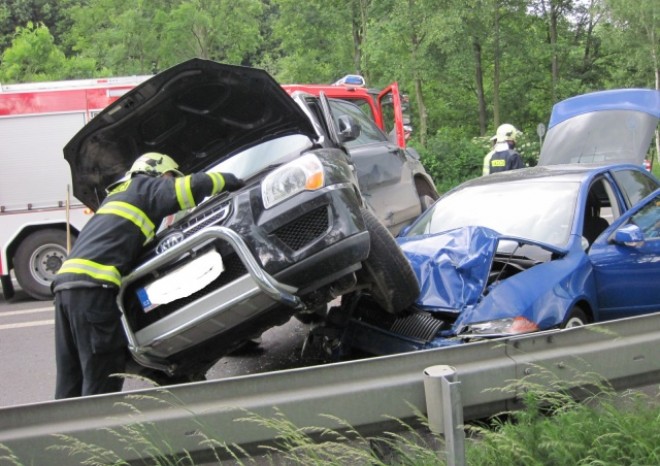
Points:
[(629, 235), (349, 128)]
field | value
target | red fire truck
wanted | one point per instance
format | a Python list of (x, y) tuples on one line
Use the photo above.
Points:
[(36, 227), (386, 106)]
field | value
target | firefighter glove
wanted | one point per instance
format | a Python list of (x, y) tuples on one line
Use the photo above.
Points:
[(231, 182)]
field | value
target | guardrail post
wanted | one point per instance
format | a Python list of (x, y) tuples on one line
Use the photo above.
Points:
[(445, 410)]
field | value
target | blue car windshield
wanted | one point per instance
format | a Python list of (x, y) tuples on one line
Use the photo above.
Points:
[(537, 210)]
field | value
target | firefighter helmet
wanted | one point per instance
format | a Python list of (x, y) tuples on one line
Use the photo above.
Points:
[(506, 132), (154, 164)]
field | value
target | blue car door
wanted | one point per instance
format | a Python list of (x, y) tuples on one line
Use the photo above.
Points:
[(626, 262)]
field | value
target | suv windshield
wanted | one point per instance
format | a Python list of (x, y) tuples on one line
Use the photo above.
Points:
[(251, 161)]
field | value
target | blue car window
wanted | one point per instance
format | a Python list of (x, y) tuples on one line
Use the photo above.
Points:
[(635, 185), (648, 219)]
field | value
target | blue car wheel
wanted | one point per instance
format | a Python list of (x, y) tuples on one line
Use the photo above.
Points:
[(576, 318)]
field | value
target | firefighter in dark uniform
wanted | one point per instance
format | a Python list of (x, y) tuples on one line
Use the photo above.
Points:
[(505, 156), (90, 343)]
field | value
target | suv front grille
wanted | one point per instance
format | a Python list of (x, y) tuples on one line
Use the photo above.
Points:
[(213, 216), (305, 229)]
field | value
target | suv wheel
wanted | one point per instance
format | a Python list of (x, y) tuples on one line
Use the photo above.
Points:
[(393, 284), (427, 196)]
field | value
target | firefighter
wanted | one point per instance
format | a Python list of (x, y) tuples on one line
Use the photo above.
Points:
[(505, 157), (486, 167), (90, 344)]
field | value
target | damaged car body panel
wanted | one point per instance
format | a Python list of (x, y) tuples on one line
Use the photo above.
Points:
[(538, 248)]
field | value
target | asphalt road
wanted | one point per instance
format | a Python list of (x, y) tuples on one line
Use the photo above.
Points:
[(27, 362)]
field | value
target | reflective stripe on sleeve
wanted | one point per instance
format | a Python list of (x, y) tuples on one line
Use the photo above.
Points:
[(218, 182), (184, 193), (132, 214), (106, 273)]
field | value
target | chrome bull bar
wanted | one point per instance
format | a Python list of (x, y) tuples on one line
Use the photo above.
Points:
[(257, 286)]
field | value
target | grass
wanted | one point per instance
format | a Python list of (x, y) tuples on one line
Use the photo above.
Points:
[(552, 428)]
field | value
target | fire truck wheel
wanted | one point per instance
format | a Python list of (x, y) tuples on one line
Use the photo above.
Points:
[(37, 260)]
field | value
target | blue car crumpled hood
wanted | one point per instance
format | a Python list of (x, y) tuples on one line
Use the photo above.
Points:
[(451, 267)]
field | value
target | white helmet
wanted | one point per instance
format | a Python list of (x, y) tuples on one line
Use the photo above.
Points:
[(151, 163), (506, 132), (155, 164)]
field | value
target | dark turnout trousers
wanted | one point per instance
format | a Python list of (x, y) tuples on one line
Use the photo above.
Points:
[(90, 344)]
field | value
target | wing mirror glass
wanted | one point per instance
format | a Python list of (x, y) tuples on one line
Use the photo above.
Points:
[(349, 128)]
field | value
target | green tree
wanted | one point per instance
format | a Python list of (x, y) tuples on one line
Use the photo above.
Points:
[(119, 35), (641, 22), (15, 13), (33, 56), (314, 40), (219, 30), (141, 37), (397, 47)]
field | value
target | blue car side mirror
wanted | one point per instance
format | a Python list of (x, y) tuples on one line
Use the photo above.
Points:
[(629, 235)]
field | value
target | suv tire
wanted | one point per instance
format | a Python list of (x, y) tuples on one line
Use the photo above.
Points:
[(393, 283)]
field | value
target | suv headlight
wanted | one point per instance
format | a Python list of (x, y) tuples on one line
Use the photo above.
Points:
[(303, 174)]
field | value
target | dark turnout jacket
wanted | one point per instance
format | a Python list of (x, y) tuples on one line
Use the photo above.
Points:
[(113, 239), (505, 160)]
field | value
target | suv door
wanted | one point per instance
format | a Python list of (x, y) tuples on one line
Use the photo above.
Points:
[(385, 177), (627, 272)]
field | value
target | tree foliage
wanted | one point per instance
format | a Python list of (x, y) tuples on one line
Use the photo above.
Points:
[(467, 65), (33, 56)]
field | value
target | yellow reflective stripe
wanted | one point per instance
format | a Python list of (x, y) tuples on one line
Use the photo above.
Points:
[(184, 192), (218, 182), (107, 273), (132, 214)]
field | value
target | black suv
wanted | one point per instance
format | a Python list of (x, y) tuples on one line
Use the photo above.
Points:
[(298, 235)]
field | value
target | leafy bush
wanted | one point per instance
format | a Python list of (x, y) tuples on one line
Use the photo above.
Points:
[(452, 158)]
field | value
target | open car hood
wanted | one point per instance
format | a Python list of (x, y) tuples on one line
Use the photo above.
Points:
[(453, 267), (604, 127), (198, 112)]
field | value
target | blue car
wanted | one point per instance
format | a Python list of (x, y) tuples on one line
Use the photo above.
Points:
[(573, 240)]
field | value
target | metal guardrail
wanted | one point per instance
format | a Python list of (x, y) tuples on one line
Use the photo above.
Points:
[(365, 394)]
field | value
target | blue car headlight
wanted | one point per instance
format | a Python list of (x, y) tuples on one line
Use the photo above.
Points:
[(303, 174), (499, 327)]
